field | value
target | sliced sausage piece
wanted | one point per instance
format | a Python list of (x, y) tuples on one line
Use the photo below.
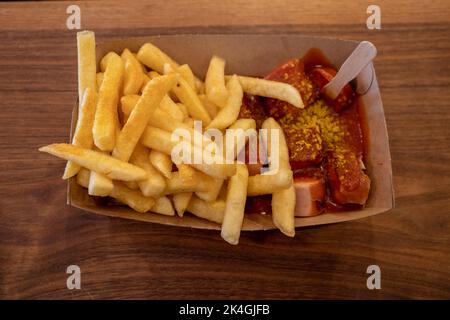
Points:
[(310, 193)]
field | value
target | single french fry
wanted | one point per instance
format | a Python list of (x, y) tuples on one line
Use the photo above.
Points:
[(133, 75), (133, 185), (161, 162), (181, 202), (283, 201), (189, 98), (212, 211), (187, 74), (215, 82), (230, 112), (260, 184), (164, 206), (211, 107), (271, 89), (283, 151), (145, 80), (157, 139), (104, 129), (180, 182), (167, 105), (132, 198), (127, 103), (213, 192), (86, 62), (83, 177), (183, 109), (153, 74), (283, 209), (235, 205), (155, 184), (96, 161), (100, 185), (153, 93), (199, 86), (154, 58), (83, 131), (99, 80)]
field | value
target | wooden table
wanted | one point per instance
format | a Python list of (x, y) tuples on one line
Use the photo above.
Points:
[(40, 235)]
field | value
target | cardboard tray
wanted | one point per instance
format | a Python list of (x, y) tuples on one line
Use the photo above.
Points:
[(256, 55)]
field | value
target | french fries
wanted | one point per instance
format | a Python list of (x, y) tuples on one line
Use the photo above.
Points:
[(163, 206), (154, 58), (155, 184), (86, 63), (189, 98), (104, 129), (153, 93), (96, 161), (283, 201), (161, 162), (181, 202), (271, 89), (230, 112), (216, 91), (128, 154), (132, 198), (212, 193), (261, 184), (99, 80), (133, 76), (100, 185), (212, 211), (186, 72), (83, 131), (283, 206), (235, 205)]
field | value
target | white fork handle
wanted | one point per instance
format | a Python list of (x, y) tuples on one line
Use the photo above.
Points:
[(363, 54)]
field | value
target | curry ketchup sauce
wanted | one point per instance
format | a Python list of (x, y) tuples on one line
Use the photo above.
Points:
[(326, 139)]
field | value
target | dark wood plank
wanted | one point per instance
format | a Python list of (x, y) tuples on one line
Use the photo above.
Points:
[(40, 235)]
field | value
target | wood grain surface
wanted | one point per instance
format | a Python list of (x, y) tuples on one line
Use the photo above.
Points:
[(40, 235)]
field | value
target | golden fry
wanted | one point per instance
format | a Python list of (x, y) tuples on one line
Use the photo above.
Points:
[(155, 184), (283, 209), (181, 202), (271, 89), (164, 206), (187, 74), (189, 98), (83, 131), (230, 112), (212, 193), (235, 205), (215, 82), (100, 185), (154, 58), (96, 161), (86, 62), (133, 75), (161, 162), (132, 198), (99, 80), (267, 184), (211, 107), (104, 128), (212, 211), (153, 93), (83, 177)]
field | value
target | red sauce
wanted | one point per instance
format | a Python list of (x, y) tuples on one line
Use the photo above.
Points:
[(316, 151)]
